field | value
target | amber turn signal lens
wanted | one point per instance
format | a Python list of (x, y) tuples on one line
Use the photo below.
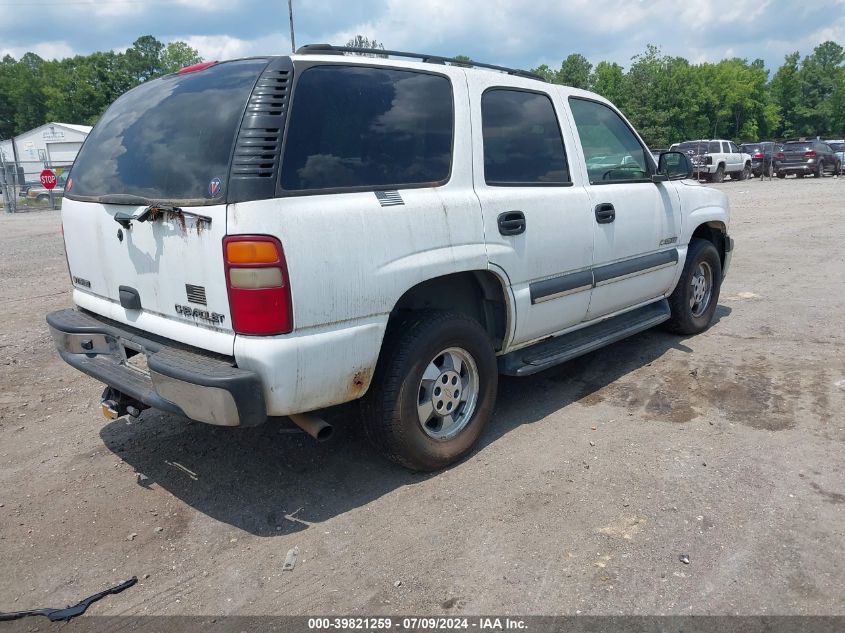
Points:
[(251, 253)]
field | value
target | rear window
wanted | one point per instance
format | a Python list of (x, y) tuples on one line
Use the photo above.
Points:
[(798, 146), (169, 139), (359, 127), (751, 149)]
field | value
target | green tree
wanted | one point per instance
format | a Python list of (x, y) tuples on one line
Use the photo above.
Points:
[(177, 55), (609, 81), (143, 59), (359, 41), (575, 71), (786, 94)]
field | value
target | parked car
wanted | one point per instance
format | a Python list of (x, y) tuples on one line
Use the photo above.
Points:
[(807, 157), (838, 148), (378, 229), (715, 159), (764, 157), (656, 153), (42, 194)]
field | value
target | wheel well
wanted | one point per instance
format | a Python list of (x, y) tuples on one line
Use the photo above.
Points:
[(478, 294), (712, 232)]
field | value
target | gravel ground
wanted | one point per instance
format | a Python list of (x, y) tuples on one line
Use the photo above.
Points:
[(589, 484)]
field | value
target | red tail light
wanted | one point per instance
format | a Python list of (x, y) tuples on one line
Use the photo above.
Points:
[(810, 154), (257, 280), (759, 155), (195, 68), (780, 155)]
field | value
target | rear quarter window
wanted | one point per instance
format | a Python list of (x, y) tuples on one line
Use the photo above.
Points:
[(360, 128), (168, 139)]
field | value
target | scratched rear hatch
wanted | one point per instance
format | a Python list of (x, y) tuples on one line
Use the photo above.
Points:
[(144, 214)]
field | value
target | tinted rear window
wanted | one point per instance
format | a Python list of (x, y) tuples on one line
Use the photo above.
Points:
[(837, 147), (170, 138), (522, 141), (795, 147), (369, 128)]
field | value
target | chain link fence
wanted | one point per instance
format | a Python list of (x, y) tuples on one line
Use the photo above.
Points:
[(21, 189)]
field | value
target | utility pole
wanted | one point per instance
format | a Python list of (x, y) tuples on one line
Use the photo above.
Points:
[(290, 17)]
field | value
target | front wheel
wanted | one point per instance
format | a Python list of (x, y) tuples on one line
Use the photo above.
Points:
[(693, 302), (433, 392), (820, 170), (746, 173)]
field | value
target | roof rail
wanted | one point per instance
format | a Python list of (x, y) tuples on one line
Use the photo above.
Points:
[(328, 49)]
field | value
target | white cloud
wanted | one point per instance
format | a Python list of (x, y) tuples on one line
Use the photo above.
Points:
[(45, 50), (220, 47)]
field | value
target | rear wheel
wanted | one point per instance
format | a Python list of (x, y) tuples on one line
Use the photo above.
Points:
[(433, 392), (820, 170), (781, 174), (693, 302), (719, 175)]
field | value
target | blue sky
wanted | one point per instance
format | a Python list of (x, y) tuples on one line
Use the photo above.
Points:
[(509, 32)]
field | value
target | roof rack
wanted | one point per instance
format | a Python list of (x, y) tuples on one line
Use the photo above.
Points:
[(328, 49)]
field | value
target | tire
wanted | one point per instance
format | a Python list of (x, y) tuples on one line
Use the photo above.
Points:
[(43, 198), (418, 355), (819, 170), (745, 174), (719, 174), (781, 175), (692, 306), (799, 175), (767, 171)]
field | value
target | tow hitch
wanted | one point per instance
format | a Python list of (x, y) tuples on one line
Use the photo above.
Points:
[(115, 404)]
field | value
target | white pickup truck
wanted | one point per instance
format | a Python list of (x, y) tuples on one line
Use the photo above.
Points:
[(715, 159), (274, 236)]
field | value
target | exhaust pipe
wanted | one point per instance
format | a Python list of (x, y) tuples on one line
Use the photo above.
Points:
[(316, 427)]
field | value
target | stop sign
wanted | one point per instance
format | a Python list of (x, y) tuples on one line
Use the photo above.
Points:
[(48, 179)]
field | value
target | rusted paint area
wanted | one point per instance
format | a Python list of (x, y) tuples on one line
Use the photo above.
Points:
[(360, 382), (154, 213)]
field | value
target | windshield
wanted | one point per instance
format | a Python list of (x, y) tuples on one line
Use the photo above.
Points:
[(169, 139)]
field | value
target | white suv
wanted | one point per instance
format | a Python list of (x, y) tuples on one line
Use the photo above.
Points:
[(716, 159), (274, 236)]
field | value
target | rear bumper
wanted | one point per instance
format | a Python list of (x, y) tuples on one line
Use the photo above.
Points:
[(203, 387)]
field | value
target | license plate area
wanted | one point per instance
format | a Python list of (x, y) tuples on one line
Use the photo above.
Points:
[(134, 357)]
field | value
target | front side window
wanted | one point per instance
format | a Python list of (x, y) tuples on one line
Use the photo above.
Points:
[(612, 152), (522, 141), (359, 127)]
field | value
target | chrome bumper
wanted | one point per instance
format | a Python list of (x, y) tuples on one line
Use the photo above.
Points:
[(200, 386)]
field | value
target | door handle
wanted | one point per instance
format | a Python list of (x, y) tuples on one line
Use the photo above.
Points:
[(511, 223), (605, 213)]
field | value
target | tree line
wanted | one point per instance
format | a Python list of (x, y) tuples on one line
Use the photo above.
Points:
[(78, 89), (668, 99)]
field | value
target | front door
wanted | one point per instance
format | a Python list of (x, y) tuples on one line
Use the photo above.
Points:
[(636, 221), (538, 226)]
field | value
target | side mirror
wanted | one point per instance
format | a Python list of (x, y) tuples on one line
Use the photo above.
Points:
[(675, 166)]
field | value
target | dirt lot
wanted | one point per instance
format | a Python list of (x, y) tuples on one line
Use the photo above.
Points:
[(589, 484)]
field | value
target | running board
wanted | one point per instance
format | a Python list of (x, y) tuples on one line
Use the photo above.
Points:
[(560, 349)]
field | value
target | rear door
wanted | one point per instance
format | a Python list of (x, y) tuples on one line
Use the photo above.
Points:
[(537, 224), (144, 214)]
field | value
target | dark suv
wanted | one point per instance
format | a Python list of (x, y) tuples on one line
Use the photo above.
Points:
[(764, 157), (807, 157)]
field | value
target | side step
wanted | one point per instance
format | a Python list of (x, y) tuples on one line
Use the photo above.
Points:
[(560, 349)]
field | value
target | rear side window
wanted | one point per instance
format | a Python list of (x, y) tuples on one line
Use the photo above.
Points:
[(714, 148), (169, 139), (355, 127), (522, 141)]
